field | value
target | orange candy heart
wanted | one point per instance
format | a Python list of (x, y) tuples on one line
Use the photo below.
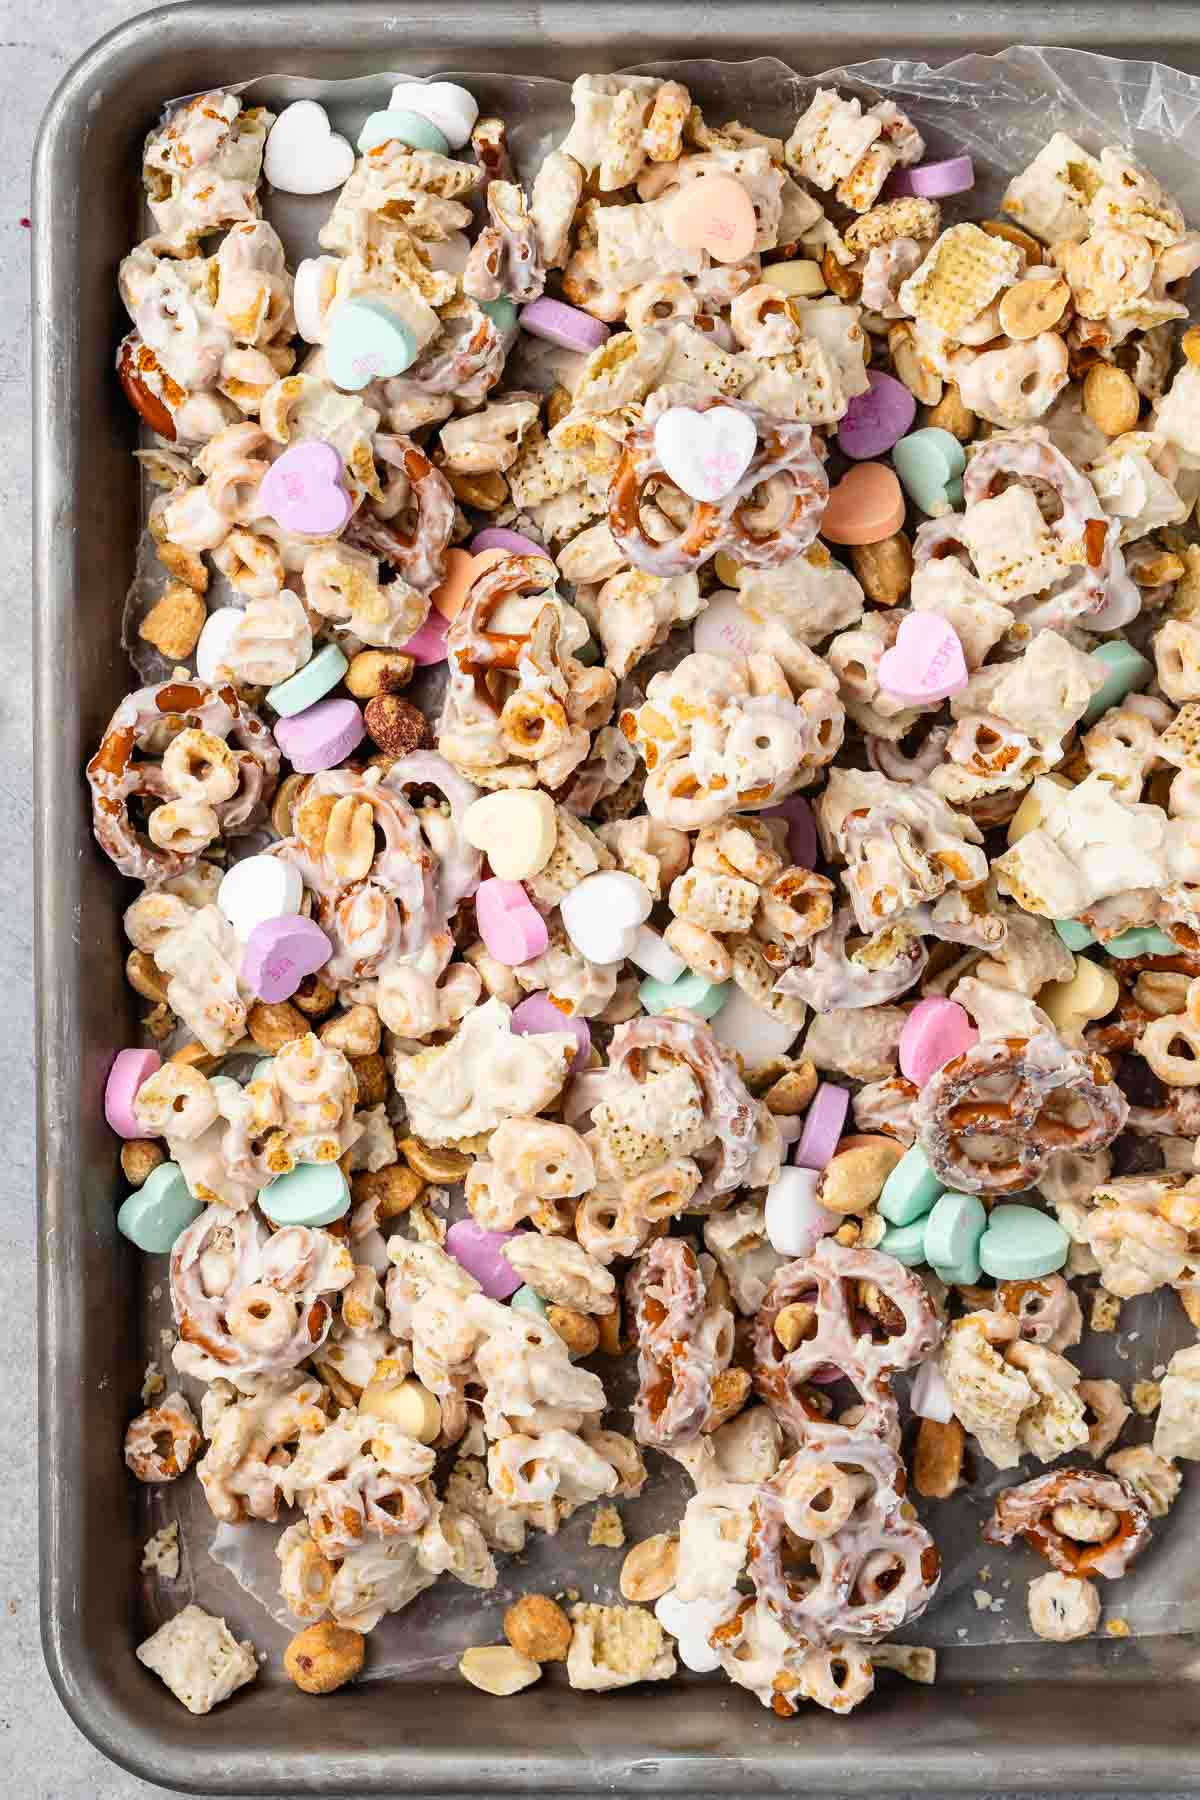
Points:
[(462, 569), (866, 506), (713, 213)]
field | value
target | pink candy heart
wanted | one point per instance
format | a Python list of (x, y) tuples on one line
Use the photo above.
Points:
[(512, 929), (481, 1254), (926, 662), (279, 954), (935, 1031), (428, 645), (303, 491), (321, 736), (131, 1068), (498, 537), (539, 1014)]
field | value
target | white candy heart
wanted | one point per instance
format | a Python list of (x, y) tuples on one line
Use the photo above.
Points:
[(450, 107), (794, 1219), (312, 296), (724, 628), (746, 1028), (705, 453), (212, 647), (602, 914), (257, 889), (929, 1397), (303, 156), (651, 952), (690, 1623)]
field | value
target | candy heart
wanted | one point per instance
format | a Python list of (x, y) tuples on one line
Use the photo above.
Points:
[(481, 1254), (905, 1242), (725, 629), (794, 1218), (877, 419), (498, 537), (398, 125), (705, 453), (823, 1123), (312, 295), (911, 1189), (1091, 993), (539, 1014), (450, 107), (1123, 669), (929, 463), (601, 914), (1141, 940), (212, 646), (566, 326), (303, 490), (929, 1397), (512, 929), (953, 1230), (926, 662), (516, 828), (864, 507), (526, 1301), (303, 156), (652, 954), (309, 1194), (156, 1213), (802, 830), (129, 1070), (279, 953), (935, 1031), (502, 313), (740, 1025), (257, 889), (461, 570), (1021, 1243), (428, 644), (713, 213), (933, 181), (367, 342), (699, 996), (1074, 935), (319, 676), (321, 736)]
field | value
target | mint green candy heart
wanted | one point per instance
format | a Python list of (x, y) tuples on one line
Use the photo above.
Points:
[(929, 463), (906, 1243), (312, 1194), (1021, 1243), (1124, 669), (911, 1188), (367, 342), (527, 1301), (319, 676), (1141, 940), (953, 1230), (704, 997), (964, 1274), (405, 128), (1074, 935), (153, 1216), (501, 312)]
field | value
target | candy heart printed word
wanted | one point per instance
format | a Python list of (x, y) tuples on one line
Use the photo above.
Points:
[(303, 491), (367, 342), (303, 156), (706, 454), (279, 954), (450, 107), (926, 662), (713, 213), (725, 628)]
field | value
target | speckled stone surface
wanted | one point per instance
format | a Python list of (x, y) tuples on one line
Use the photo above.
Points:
[(42, 1756)]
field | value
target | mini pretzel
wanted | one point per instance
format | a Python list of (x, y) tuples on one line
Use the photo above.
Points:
[(760, 534), (505, 258), (742, 1126), (148, 719), (1047, 1310), (866, 1347), (418, 554), (1027, 1509), (878, 970), (1014, 1102), (679, 1352), (873, 1569), (161, 1442), (465, 360)]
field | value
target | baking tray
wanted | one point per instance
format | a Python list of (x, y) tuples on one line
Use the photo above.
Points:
[(1011, 1716)]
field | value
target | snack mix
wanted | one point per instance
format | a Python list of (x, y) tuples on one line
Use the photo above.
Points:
[(668, 826)]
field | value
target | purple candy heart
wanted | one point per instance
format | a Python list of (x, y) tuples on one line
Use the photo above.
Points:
[(428, 645), (823, 1124), (480, 1253), (802, 830), (563, 325), (539, 1014), (303, 490), (321, 736), (497, 537), (933, 181), (279, 954), (876, 420)]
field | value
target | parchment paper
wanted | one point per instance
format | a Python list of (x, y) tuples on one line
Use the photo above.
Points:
[(1002, 109)]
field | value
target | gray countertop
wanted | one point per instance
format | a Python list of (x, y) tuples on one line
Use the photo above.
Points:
[(44, 1757)]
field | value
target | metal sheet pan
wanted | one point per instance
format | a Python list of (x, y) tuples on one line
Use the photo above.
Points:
[(1073, 1716)]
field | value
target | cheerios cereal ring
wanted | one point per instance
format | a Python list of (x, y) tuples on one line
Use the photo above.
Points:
[(161, 1442)]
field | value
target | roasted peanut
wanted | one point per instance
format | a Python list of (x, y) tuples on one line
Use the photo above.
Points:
[(350, 837), (919, 377), (394, 1188), (431, 1164), (286, 796), (937, 1465), (578, 1330), (852, 1181), (272, 1024), (324, 1657), (1030, 307), (730, 1392), (537, 1627), (1013, 234), (1110, 399), (845, 282), (145, 977), (139, 1156), (953, 415), (649, 1569), (498, 1668), (356, 1032), (370, 1072), (379, 672), (884, 569), (795, 1323), (485, 492), (314, 997)]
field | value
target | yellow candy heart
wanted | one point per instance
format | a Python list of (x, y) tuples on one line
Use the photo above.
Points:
[(515, 828), (1091, 993)]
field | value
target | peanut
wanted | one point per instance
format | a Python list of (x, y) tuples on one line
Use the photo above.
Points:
[(853, 1180), (139, 1157), (498, 1669), (649, 1569), (730, 1392), (406, 1404), (370, 1072), (274, 1024), (846, 283), (538, 1628), (350, 837), (396, 725), (884, 569), (395, 1189), (486, 492), (937, 1465), (795, 1323), (952, 415), (434, 1165), (1013, 234), (1110, 399), (324, 1657), (919, 377), (356, 1032), (578, 1330), (1030, 307), (379, 672), (145, 977), (284, 802), (793, 1091), (314, 997)]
